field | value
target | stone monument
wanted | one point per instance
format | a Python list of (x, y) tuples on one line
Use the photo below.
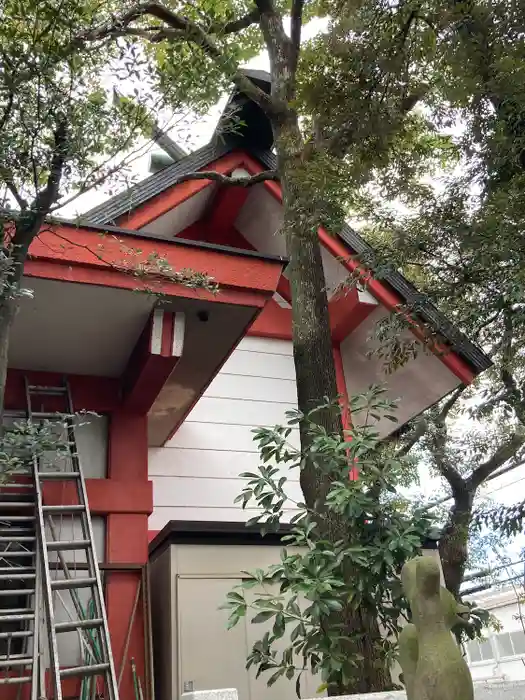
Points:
[(432, 663)]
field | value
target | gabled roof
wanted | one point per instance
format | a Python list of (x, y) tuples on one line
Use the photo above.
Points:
[(109, 212)]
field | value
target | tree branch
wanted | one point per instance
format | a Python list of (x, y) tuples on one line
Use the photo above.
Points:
[(418, 432), (296, 24), (7, 110), (237, 25), (7, 177), (240, 181), (450, 403), (504, 452), (28, 225), (183, 29)]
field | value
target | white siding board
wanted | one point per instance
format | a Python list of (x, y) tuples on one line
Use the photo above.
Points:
[(214, 436), (206, 464), (260, 364), (234, 386), (265, 345), (215, 493), (239, 412), (196, 475)]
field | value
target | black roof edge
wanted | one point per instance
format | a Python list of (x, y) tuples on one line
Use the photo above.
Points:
[(214, 533), (177, 241), (137, 194), (429, 313)]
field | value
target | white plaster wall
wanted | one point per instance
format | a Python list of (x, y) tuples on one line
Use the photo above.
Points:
[(196, 475)]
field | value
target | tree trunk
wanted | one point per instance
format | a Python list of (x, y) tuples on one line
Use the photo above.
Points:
[(8, 309), (453, 545), (11, 283), (316, 379)]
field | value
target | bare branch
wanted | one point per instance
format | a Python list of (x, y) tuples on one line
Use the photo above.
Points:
[(504, 453), (240, 181)]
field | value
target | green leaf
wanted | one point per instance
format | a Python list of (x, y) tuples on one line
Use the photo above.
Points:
[(263, 616)]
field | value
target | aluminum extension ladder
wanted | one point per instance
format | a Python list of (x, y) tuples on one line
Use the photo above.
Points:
[(55, 574), (19, 581)]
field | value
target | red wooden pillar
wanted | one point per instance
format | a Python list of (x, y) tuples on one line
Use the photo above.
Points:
[(345, 402), (127, 543)]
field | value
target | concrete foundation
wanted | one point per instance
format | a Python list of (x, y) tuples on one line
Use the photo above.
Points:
[(497, 690)]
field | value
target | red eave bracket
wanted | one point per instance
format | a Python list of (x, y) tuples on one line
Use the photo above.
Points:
[(347, 312), (156, 353)]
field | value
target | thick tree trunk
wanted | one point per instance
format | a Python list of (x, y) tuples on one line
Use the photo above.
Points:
[(453, 545), (315, 372), (11, 283), (312, 343), (8, 308)]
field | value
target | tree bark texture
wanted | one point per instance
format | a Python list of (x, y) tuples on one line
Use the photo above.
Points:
[(25, 230), (453, 545), (316, 380)]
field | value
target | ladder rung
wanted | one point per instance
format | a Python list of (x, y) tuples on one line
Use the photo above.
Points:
[(16, 538), (18, 591), (73, 583), (62, 476), (63, 509), (14, 553), (17, 570), (17, 518), (68, 545), (58, 416), (93, 670), (16, 504), (14, 616), (51, 390), (15, 576), (15, 661), (14, 680), (20, 531), (19, 634), (18, 485), (78, 624)]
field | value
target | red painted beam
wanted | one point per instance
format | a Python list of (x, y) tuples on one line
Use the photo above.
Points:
[(73, 254), (224, 210), (153, 359), (105, 496), (273, 322), (98, 394), (284, 290), (346, 313)]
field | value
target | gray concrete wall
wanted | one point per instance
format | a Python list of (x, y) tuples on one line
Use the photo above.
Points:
[(504, 690)]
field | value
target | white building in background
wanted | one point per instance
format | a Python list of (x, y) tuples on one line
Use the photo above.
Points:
[(502, 655)]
